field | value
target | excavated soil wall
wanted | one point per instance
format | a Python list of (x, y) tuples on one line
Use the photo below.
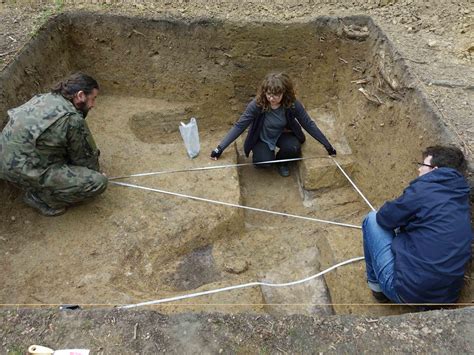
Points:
[(126, 246), (214, 68)]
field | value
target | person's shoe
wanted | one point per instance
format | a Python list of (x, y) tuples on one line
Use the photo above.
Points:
[(380, 297), (33, 201), (283, 170), (427, 308)]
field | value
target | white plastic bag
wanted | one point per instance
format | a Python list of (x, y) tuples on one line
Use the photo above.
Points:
[(190, 135)]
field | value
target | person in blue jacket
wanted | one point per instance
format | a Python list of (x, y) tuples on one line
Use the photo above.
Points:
[(417, 246), (275, 118)]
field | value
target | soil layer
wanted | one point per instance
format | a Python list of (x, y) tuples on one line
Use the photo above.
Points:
[(414, 59)]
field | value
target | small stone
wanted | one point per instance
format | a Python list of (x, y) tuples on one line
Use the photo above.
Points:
[(13, 218), (382, 124), (236, 266), (432, 43)]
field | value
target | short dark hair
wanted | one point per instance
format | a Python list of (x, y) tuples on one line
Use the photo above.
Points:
[(446, 157), (75, 83)]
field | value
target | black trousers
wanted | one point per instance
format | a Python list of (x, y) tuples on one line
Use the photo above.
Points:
[(290, 147)]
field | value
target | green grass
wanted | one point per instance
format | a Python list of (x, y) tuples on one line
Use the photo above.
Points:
[(15, 350), (46, 14)]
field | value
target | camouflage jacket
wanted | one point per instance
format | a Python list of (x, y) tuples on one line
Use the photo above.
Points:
[(44, 132)]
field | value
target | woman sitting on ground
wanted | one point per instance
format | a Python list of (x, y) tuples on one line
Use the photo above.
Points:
[(275, 118)]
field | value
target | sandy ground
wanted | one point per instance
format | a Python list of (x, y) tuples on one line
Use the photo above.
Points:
[(149, 245), (148, 332), (436, 38)]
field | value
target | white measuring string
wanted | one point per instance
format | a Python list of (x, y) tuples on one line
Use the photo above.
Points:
[(232, 204), (250, 284), (208, 168), (354, 185)]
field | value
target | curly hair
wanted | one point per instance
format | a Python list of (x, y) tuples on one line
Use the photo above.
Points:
[(276, 83), (75, 83)]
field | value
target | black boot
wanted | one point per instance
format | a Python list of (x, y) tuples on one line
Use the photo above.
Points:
[(380, 297), (35, 202), (283, 170)]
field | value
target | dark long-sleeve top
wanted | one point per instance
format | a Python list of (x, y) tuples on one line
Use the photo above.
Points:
[(253, 116)]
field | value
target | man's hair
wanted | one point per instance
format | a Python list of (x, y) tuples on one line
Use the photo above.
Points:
[(75, 83), (446, 157), (276, 83)]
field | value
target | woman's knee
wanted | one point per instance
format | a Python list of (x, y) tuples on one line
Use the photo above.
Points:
[(290, 149), (293, 150), (262, 162), (261, 154)]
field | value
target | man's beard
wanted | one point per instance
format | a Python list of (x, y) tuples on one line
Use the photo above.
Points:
[(82, 106)]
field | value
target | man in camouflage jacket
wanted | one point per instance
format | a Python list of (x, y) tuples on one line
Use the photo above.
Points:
[(47, 149)]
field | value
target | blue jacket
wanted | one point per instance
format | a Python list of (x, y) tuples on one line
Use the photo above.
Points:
[(434, 243)]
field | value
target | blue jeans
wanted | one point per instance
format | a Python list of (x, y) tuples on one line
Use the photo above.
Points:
[(379, 259)]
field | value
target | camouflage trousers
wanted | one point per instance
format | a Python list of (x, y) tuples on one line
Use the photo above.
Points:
[(64, 185)]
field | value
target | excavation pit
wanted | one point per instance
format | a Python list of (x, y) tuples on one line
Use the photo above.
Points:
[(130, 245)]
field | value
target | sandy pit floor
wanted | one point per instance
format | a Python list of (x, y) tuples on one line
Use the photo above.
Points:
[(132, 245)]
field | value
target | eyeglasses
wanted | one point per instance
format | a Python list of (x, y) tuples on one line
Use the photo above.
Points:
[(423, 164), (270, 94)]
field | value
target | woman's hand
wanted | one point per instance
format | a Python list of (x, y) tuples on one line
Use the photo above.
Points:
[(331, 150), (216, 153)]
